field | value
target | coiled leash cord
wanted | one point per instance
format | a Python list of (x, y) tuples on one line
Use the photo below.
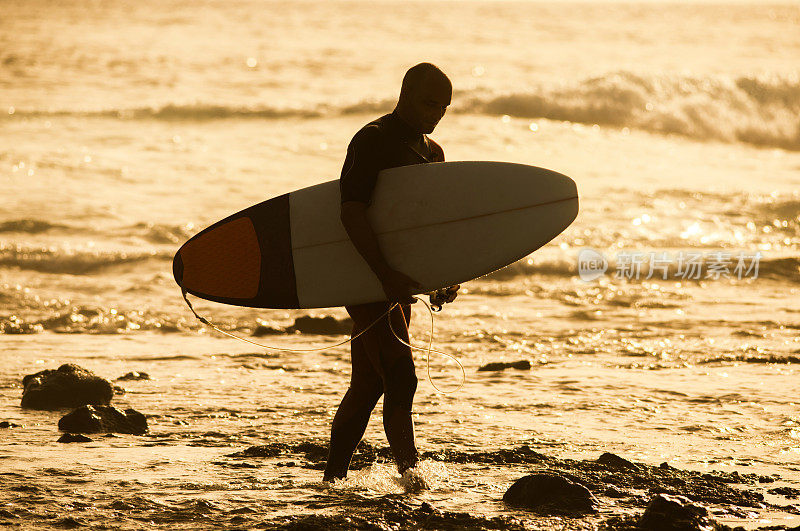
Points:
[(427, 349)]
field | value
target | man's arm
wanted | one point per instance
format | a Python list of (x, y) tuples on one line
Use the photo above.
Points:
[(397, 286), (449, 294)]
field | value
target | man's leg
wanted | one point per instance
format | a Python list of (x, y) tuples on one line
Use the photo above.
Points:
[(352, 417), (399, 386), (392, 360)]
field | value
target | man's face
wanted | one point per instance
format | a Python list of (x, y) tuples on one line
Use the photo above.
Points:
[(428, 103)]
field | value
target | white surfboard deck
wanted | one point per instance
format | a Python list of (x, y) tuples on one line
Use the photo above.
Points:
[(441, 223)]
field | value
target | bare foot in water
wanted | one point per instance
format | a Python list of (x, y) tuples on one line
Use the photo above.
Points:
[(413, 480)]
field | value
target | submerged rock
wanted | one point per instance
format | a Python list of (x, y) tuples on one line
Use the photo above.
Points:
[(674, 513), (523, 365), (786, 492), (307, 324), (73, 437), (615, 461), (103, 419), (327, 325), (550, 494), (264, 330), (68, 386), (69, 522), (134, 375)]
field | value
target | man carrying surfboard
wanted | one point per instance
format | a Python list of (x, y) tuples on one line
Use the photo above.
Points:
[(382, 365)]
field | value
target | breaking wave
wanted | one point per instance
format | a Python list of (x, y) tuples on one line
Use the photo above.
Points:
[(72, 262), (146, 231), (30, 226), (87, 320), (758, 110)]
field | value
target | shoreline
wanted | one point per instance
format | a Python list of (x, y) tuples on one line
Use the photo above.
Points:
[(623, 489)]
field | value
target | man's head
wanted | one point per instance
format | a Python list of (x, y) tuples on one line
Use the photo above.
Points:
[(424, 97)]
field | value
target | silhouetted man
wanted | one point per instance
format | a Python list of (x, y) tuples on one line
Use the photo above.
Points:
[(382, 365)]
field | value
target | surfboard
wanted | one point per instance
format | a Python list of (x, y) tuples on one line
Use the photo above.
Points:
[(442, 224)]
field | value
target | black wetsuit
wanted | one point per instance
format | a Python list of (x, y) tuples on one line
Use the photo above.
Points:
[(381, 365)]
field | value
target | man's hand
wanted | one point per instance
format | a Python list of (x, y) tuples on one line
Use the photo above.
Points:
[(443, 296), (399, 286)]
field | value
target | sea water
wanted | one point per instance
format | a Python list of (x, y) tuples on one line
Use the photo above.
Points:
[(127, 127)]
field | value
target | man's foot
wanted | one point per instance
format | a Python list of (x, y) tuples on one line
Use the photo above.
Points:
[(330, 481), (413, 480)]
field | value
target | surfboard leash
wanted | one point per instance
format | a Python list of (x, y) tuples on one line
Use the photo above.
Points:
[(212, 325), (430, 349), (427, 349)]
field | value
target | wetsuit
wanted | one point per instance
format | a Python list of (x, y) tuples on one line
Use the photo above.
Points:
[(381, 365)]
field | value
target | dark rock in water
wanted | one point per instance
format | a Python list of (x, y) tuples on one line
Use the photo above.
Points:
[(523, 365), (615, 461), (327, 325), (550, 494), (134, 375), (504, 456), (7, 424), (674, 513), (69, 523), (68, 386), (73, 437), (613, 492), (263, 330), (786, 492), (103, 419)]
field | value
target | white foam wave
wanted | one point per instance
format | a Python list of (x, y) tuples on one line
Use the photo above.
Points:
[(759, 110), (756, 110), (71, 262)]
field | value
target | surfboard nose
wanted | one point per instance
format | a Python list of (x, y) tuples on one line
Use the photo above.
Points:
[(223, 261), (177, 268)]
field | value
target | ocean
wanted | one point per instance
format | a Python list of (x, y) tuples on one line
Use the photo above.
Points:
[(661, 326)]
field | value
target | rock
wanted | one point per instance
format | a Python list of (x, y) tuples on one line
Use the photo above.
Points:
[(68, 386), (134, 375), (73, 437), (264, 330), (7, 424), (615, 461), (667, 512), (69, 523), (786, 492), (103, 419), (327, 325), (550, 494), (523, 365), (307, 324), (613, 492)]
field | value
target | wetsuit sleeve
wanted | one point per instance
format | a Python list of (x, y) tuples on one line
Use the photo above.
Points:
[(361, 166), (437, 151)]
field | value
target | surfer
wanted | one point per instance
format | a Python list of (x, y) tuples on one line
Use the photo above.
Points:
[(382, 365)]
